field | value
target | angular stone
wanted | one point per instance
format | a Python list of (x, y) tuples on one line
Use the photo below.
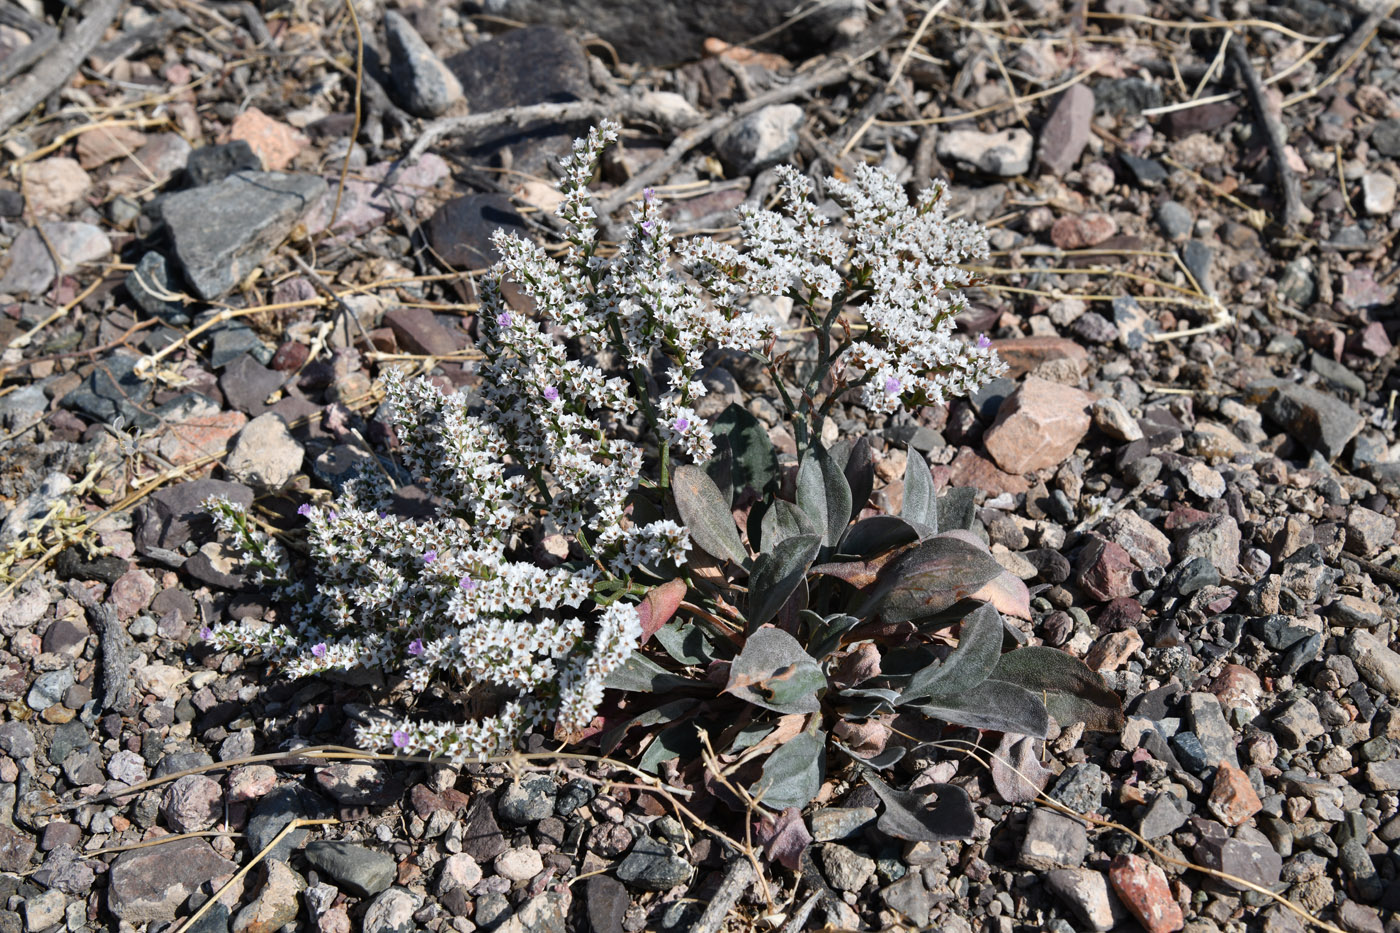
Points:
[(422, 83), (1163, 816), (1081, 231), (151, 884), (53, 185), (221, 232), (275, 142), (276, 904), (1038, 426), (460, 232), (1248, 855), (1112, 418), (1143, 889), (31, 270), (1023, 354), (1053, 840), (265, 455), (1087, 894), (845, 869), (1113, 650), (1384, 776), (1368, 531), (1375, 662), (1006, 153), (360, 871), (1216, 538), (1105, 571), (762, 139), (832, 823), (1232, 798), (1209, 725), (209, 164), (392, 912), (418, 331), (1314, 419), (653, 866), (1066, 131)]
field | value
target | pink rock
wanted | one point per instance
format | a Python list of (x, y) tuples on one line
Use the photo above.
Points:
[(205, 435), (132, 593), (1066, 132), (1233, 799), (1372, 341), (249, 782), (1237, 688), (1106, 571), (419, 332), (275, 143), (1147, 546), (1083, 230), (1024, 354), (106, 143), (1113, 650), (192, 803), (1038, 426), (970, 469), (1143, 889), (53, 185)]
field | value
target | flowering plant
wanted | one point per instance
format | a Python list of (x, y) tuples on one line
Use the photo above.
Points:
[(556, 440)]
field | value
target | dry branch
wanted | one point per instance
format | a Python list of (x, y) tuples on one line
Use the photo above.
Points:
[(58, 66)]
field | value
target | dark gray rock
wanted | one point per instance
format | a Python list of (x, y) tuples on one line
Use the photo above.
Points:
[(151, 884), (246, 384), (113, 389), (67, 737), (460, 230), (1148, 173), (1207, 720), (1053, 840), (1126, 96), (274, 811), (762, 139), (16, 740), (1175, 219), (1249, 855), (653, 866), (529, 799), (150, 281), (1081, 787), (607, 901), (362, 872), (173, 515), (1163, 816), (481, 835), (1385, 136), (221, 232), (423, 85), (1337, 374), (210, 164), (1312, 418), (1198, 258)]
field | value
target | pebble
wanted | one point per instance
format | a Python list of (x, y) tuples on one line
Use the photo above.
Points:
[(1006, 153), (832, 823), (1038, 426), (1312, 418), (392, 912), (42, 911), (193, 803), (274, 142), (1143, 889), (264, 454), (845, 869), (51, 186), (249, 782), (1232, 798), (653, 866), (1081, 231), (151, 884), (518, 864), (1086, 892), (1112, 418), (1175, 219), (32, 270), (1378, 194), (762, 139), (1248, 855), (1053, 840), (528, 800), (1066, 131), (458, 871), (1375, 662), (276, 903), (360, 871), (209, 164), (421, 82)]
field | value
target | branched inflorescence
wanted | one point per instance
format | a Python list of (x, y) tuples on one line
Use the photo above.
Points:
[(554, 440)]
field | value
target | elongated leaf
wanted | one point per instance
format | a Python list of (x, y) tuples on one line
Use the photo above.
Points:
[(666, 712), (686, 642), (659, 605), (678, 741), (705, 512), (777, 573), (972, 661), (784, 520), (992, 704), (941, 816), (859, 470), (775, 672), (956, 508), (920, 506), (931, 577), (793, 773), (1008, 593), (822, 492), (640, 674), (1016, 769), (1072, 692), (720, 468), (826, 637), (755, 464), (876, 535)]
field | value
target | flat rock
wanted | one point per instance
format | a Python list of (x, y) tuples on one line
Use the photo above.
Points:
[(653, 866), (221, 232), (460, 230), (1314, 419), (418, 331), (1375, 662), (171, 516), (1081, 231), (275, 143), (1023, 354), (1006, 153), (265, 455), (32, 270), (1087, 894), (360, 871), (152, 884), (1066, 131), (1143, 889), (1053, 840), (1038, 426)]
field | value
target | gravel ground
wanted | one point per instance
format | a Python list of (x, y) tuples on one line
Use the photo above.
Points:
[(1193, 459)]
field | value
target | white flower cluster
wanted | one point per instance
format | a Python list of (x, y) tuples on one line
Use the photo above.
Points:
[(548, 440)]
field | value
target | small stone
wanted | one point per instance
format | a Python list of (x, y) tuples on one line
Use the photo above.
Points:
[(1297, 724), (392, 912), (1376, 663), (1053, 840), (1248, 855), (1208, 723), (1175, 220), (1312, 418), (249, 782), (1368, 531), (42, 911), (195, 802), (151, 884), (458, 871), (277, 901), (356, 784), (278, 808), (1163, 816), (762, 139), (1105, 571), (1232, 798), (1066, 131), (16, 740), (31, 268), (1217, 539), (51, 186), (1006, 153), (832, 823), (1112, 418), (418, 331), (1086, 892), (1080, 787), (1202, 480), (246, 385), (1113, 650), (1355, 612), (460, 232), (607, 903), (274, 142), (653, 866), (1378, 194), (421, 82), (1038, 426), (1143, 889), (1384, 776), (360, 871), (1082, 231), (132, 593), (518, 864), (209, 164), (106, 143), (845, 869), (265, 455)]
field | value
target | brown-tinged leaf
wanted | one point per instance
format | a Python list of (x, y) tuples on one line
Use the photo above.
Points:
[(859, 665), (1016, 769), (865, 737), (658, 606), (784, 837), (1008, 593)]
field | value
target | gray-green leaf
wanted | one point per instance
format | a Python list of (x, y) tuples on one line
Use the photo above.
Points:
[(972, 661), (776, 574), (792, 774), (706, 514), (775, 672)]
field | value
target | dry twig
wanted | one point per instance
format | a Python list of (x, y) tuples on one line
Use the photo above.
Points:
[(54, 70)]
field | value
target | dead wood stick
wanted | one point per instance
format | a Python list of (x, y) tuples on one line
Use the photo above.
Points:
[(29, 90), (1270, 119), (569, 112), (42, 37), (829, 72)]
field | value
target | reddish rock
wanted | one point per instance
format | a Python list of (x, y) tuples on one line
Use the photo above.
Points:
[(1233, 799), (275, 143), (203, 435), (53, 185), (1113, 650), (290, 356), (970, 469), (1038, 426), (1120, 614), (1147, 546), (419, 332), (132, 593), (1237, 688), (106, 143), (1106, 571), (1185, 517), (1143, 889), (193, 803), (1066, 132), (1081, 231), (1024, 354), (1372, 341)]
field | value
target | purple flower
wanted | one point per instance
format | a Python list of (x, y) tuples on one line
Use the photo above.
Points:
[(304, 509), (682, 424), (206, 633), (334, 515), (892, 386), (648, 193), (647, 225), (383, 515), (504, 319), (550, 393), (319, 649), (429, 556), (468, 584), (400, 738), (983, 342), (415, 647)]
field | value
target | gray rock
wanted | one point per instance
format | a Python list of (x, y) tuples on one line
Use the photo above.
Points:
[(1053, 840), (1087, 894), (49, 688), (1081, 787), (23, 407), (32, 269), (1312, 418), (460, 232), (276, 904), (1297, 724), (1375, 662), (1005, 153), (112, 389), (1385, 136), (1066, 131), (1336, 374), (209, 164), (1126, 96), (544, 913), (264, 454), (1163, 816), (832, 823), (762, 139), (67, 737), (150, 282), (1208, 722), (151, 884), (221, 232), (83, 766), (481, 834), (1368, 531), (1175, 219), (528, 800), (277, 809), (1217, 539), (361, 871), (845, 869), (606, 901), (232, 339), (1249, 855), (42, 911), (246, 384), (392, 912), (1198, 258), (422, 83), (653, 866), (173, 515), (909, 897), (16, 740), (1384, 775)]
